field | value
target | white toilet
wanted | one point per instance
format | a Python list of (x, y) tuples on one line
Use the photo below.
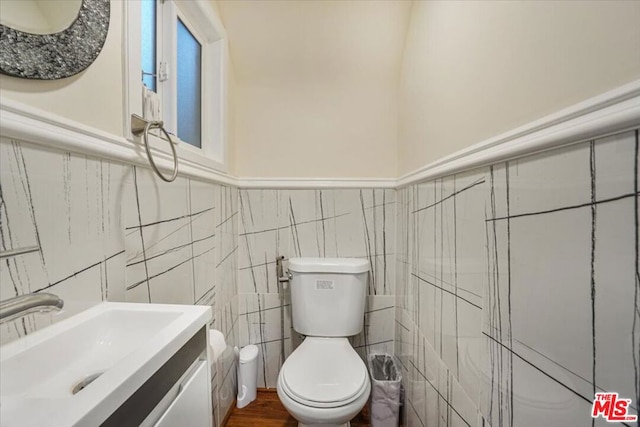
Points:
[(324, 382)]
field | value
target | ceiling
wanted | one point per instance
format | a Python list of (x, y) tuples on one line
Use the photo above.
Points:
[(301, 42)]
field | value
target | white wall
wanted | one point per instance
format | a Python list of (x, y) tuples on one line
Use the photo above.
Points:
[(316, 131), (473, 70), (317, 86), (315, 92), (93, 97), (231, 121)]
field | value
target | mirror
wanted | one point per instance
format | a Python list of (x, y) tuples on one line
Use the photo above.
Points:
[(47, 40), (39, 16)]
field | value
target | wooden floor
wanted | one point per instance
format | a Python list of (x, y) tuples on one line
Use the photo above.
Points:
[(267, 411)]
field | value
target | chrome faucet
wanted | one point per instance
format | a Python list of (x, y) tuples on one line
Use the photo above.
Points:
[(22, 305)]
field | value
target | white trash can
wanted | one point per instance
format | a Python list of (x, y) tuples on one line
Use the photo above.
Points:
[(247, 375), (385, 390)]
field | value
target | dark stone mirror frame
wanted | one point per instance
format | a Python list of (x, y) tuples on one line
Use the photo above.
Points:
[(58, 55)]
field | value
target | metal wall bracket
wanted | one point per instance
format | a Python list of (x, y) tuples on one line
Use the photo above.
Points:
[(140, 126)]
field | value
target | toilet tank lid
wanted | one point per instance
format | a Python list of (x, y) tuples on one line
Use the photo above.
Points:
[(328, 265)]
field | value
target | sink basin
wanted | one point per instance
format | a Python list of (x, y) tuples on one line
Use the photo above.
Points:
[(80, 370)]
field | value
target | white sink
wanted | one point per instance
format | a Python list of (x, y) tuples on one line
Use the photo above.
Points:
[(124, 344)]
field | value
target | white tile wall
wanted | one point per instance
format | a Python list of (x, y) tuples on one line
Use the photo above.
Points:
[(509, 294), (311, 223), (111, 232), (517, 288), (68, 206)]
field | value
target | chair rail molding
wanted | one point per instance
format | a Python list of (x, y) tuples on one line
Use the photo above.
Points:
[(320, 183), (611, 112), (29, 124)]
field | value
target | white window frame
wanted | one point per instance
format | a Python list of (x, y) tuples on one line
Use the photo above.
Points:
[(201, 19)]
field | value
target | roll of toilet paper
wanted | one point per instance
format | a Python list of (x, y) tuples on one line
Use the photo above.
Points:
[(217, 344), (150, 105)]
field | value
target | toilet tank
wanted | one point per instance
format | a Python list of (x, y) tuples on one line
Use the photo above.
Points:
[(328, 295)]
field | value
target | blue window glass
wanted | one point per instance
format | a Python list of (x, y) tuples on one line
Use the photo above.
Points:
[(189, 86), (148, 35)]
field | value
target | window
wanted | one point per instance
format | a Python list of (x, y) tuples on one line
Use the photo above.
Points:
[(177, 49), (189, 60), (148, 39)]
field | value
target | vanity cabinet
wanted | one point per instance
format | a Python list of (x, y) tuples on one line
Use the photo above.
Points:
[(187, 403), (153, 365), (191, 405), (176, 395)]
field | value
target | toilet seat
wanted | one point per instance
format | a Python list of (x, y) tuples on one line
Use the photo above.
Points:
[(328, 405), (324, 373)]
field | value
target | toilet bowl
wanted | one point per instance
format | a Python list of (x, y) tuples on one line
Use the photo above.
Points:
[(324, 382)]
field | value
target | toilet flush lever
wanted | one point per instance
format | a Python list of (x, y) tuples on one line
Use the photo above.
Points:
[(280, 272)]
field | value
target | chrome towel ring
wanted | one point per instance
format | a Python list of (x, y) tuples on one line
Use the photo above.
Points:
[(140, 126)]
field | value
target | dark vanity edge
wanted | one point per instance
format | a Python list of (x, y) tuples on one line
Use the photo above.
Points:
[(136, 408)]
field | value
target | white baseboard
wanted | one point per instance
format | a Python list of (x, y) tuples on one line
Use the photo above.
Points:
[(610, 112)]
